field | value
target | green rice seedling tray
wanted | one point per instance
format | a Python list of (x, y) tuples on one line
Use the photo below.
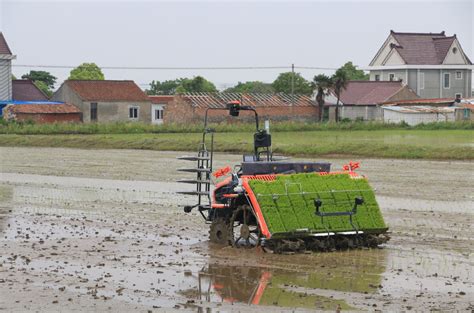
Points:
[(287, 203)]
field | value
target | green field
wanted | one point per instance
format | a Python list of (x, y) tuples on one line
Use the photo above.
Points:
[(389, 143)]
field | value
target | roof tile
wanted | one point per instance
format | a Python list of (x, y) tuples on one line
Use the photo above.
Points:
[(4, 49), (107, 90), (43, 108), (366, 92), (423, 48), (26, 90)]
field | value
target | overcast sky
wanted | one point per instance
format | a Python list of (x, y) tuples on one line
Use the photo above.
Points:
[(225, 33)]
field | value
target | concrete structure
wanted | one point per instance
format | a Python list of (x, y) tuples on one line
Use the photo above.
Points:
[(464, 111), (106, 100), (191, 107), (42, 112), (361, 99), (432, 64), (413, 115), (6, 57), (158, 108)]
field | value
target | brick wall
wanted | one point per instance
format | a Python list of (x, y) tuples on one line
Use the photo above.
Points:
[(50, 118), (179, 111)]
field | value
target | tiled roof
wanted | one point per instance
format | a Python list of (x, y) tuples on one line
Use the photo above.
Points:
[(26, 90), (423, 48), (107, 90), (4, 49), (43, 108), (216, 100), (161, 99), (422, 101), (366, 92), (420, 109)]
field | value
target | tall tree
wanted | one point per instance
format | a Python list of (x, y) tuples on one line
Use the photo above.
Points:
[(197, 84), (86, 71), (339, 80), (283, 83), (353, 73), (251, 87), (41, 76), (181, 85), (44, 88), (167, 87), (322, 83)]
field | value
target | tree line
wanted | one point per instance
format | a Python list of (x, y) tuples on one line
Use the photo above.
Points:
[(288, 82)]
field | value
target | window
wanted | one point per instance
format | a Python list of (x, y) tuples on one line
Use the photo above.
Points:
[(157, 111), (446, 80), (159, 114), (455, 50), (458, 75), (377, 77), (391, 77), (466, 113), (458, 96), (133, 112), (422, 80), (93, 111)]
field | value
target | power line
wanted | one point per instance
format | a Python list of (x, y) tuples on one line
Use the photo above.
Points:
[(289, 67)]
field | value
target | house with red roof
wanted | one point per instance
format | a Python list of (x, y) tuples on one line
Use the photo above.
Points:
[(42, 112), (432, 64), (362, 99), (106, 100)]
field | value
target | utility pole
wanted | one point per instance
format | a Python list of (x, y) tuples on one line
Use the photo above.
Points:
[(292, 83)]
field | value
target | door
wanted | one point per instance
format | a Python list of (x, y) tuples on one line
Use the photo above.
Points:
[(157, 111)]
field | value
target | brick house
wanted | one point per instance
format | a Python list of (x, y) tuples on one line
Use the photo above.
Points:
[(42, 112), (106, 100), (158, 107), (432, 64), (362, 99), (191, 107)]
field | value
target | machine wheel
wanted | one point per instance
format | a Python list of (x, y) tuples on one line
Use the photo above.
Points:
[(219, 231), (244, 231)]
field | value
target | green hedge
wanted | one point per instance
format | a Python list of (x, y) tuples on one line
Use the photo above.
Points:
[(287, 203)]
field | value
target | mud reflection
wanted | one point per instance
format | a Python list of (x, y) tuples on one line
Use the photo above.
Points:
[(353, 271)]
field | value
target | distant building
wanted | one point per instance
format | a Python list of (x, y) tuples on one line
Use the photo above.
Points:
[(191, 107), (6, 57), (362, 99), (41, 112), (26, 90), (432, 64), (158, 107), (106, 100), (413, 115)]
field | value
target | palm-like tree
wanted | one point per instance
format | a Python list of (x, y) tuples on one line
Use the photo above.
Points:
[(322, 83), (340, 81)]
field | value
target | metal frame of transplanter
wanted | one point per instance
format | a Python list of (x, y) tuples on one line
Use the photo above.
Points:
[(205, 159)]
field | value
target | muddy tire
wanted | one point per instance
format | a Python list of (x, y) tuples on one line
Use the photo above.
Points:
[(244, 231), (219, 231)]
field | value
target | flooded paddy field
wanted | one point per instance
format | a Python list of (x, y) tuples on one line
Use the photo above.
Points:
[(96, 230)]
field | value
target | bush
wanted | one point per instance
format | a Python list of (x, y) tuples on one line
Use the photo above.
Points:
[(30, 128)]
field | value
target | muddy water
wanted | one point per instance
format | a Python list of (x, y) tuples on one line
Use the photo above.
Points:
[(102, 230)]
